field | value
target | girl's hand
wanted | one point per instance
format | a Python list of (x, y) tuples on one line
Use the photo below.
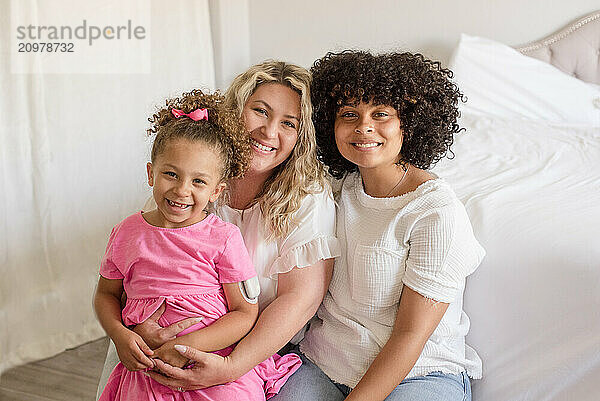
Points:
[(166, 353), (155, 335), (208, 370), (133, 351)]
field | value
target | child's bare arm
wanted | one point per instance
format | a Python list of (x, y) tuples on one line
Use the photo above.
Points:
[(131, 347), (227, 330)]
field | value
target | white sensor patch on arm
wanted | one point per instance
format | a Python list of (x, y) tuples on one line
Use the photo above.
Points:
[(250, 289)]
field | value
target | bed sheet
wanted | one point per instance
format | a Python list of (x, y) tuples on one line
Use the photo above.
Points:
[(532, 191)]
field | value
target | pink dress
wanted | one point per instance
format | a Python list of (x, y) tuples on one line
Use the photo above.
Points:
[(183, 268)]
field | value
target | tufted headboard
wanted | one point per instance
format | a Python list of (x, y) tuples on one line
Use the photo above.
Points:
[(574, 49)]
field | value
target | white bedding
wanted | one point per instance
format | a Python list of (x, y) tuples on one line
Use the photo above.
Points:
[(499, 80), (532, 190)]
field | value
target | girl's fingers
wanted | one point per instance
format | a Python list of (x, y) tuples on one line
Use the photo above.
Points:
[(141, 357), (134, 365), (147, 362), (140, 366), (157, 313), (145, 348)]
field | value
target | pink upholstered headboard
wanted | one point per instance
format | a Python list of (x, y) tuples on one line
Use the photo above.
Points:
[(574, 49)]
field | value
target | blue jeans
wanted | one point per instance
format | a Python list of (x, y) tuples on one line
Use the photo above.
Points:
[(309, 383)]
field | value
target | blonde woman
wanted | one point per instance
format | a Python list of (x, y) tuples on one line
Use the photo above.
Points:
[(286, 214)]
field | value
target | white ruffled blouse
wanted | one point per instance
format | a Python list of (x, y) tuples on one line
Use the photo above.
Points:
[(311, 240)]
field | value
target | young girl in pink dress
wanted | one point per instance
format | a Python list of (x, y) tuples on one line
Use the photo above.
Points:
[(184, 258)]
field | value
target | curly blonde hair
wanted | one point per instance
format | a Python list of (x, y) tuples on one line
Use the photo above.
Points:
[(301, 173), (223, 131)]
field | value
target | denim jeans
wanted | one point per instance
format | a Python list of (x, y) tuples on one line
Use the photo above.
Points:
[(309, 383)]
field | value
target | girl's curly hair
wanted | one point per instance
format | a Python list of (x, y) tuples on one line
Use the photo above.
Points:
[(223, 131), (419, 89)]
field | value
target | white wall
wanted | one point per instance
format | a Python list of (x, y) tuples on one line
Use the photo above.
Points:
[(302, 31), (73, 153), (230, 30)]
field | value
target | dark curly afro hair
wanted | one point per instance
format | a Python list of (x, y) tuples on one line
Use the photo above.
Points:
[(223, 131), (419, 89)]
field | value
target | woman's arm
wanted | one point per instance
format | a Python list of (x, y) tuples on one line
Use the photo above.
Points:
[(299, 294), (416, 320), (225, 331), (131, 347)]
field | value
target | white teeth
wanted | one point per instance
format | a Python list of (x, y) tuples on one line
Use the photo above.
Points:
[(179, 205), (366, 145), (261, 146)]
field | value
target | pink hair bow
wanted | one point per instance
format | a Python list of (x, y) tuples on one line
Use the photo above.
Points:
[(196, 115)]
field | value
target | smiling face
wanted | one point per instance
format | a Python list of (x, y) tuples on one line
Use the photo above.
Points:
[(184, 177), (369, 136), (272, 116)]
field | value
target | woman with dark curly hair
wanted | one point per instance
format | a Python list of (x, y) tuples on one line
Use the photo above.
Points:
[(391, 326)]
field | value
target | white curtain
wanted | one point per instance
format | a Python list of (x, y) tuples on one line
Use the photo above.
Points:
[(73, 153), (230, 21)]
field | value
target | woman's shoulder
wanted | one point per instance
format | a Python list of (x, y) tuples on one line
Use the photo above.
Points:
[(428, 189), (336, 184), (438, 206), (315, 217), (312, 237), (434, 193), (317, 193)]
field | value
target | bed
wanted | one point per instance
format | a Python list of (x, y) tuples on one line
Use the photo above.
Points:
[(527, 167)]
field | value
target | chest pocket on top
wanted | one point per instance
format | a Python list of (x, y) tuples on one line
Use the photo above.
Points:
[(377, 275)]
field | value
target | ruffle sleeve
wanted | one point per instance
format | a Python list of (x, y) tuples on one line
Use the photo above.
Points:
[(313, 238)]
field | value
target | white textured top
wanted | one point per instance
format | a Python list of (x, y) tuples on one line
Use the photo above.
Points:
[(422, 239)]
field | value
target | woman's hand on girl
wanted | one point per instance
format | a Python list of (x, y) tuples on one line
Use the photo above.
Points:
[(133, 351), (166, 353), (208, 370), (155, 335)]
